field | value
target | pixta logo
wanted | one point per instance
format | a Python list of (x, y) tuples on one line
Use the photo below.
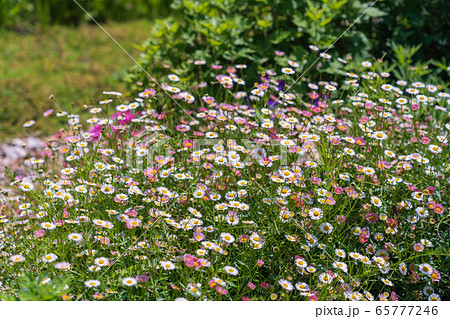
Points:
[(141, 155), (256, 151), (144, 149)]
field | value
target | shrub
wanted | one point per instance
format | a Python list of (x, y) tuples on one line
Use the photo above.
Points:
[(249, 32), (412, 23), (26, 14)]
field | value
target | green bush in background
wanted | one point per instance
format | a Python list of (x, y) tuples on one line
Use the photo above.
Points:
[(412, 23), (229, 32), (23, 15)]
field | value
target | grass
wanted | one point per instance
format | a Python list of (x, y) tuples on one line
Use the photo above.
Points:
[(72, 64)]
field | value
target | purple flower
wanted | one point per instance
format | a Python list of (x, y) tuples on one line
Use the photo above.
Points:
[(394, 296), (281, 85), (142, 278), (198, 236), (39, 233), (340, 219)]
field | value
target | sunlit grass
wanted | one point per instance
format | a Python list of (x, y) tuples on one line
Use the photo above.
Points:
[(73, 64)]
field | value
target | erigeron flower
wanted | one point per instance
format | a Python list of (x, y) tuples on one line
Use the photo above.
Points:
[(29, 123), (434, 149), (287, 71), (26, 186), (231, 270), (425, 269), (375, 200), (75, 237), (101, 261), (355, 128), (325, 55), (340, 265), (379, 135), (194, 290), (301, 263), (340, 253), (326, 228), (62, 266), (167, 265), (173, 77), (325, 278), (316, 213), (107, 189), (227, 237), (434, 297), (302, 286), (92, 283), (349, 151), (286, 284), (94, 268), (49, 258), (129, 281), (330, 88), (387, 282), (17, 258), (47, 225), (293, 63)]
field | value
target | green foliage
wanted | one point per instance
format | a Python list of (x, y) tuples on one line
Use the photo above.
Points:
[(11, 12), (42, 288), (251, 31), (25, 14), (229, 32), (412, 23)]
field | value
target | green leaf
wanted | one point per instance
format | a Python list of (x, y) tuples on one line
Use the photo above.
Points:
[(264, 23), (325, 22), (279, 36), (314, 13), (375, 13), (337, 5), (299, 20), (214, 42)]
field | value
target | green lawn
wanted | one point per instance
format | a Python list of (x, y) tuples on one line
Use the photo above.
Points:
[(73, 64)]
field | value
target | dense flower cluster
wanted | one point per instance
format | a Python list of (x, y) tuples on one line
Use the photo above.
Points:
[(228, 192)]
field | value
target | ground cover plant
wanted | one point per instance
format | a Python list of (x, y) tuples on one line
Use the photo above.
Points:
[(233, 190)]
